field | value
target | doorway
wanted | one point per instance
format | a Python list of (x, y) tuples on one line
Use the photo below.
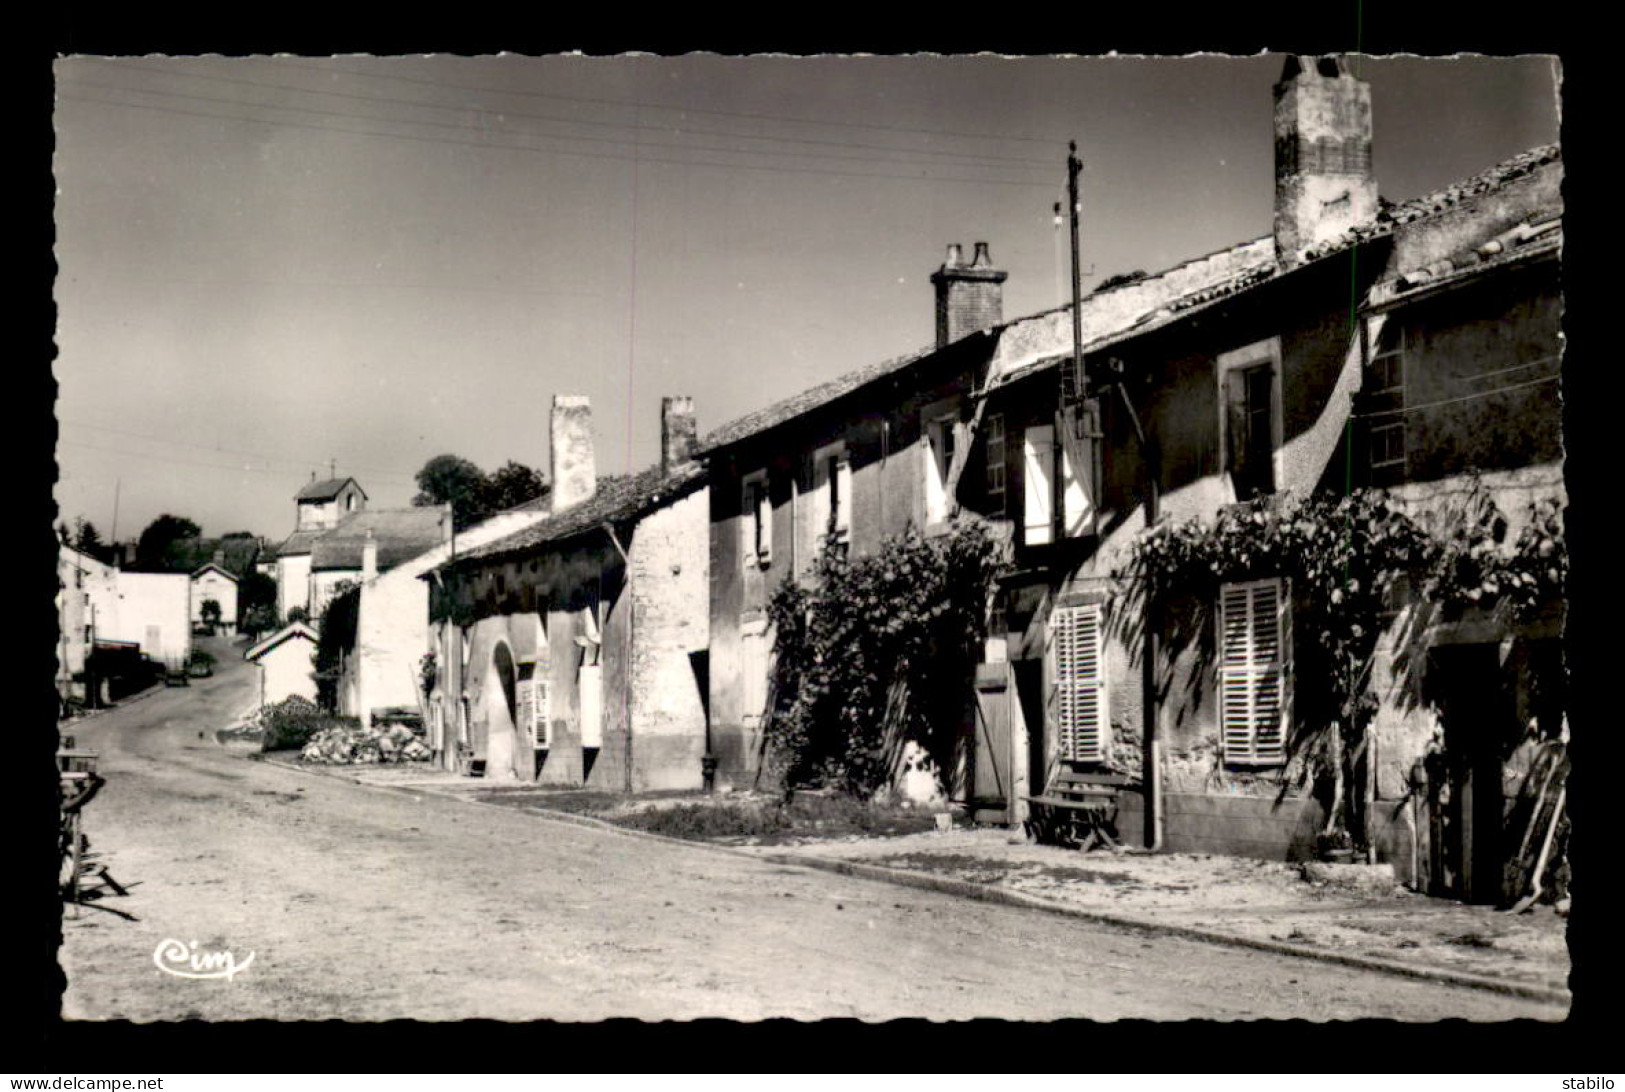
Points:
[(1478, 710)]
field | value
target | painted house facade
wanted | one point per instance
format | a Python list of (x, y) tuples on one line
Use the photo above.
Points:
[(573, 652), (1404, 347), (397, 535)]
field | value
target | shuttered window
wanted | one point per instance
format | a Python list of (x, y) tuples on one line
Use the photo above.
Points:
[(1255, 651), (1038, 491), (756, 521), (1077, 645)]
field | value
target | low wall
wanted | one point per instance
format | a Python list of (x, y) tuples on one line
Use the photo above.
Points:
[(1252, 826)]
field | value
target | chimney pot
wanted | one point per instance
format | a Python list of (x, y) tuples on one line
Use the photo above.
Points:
[(969, 297), (956, 255), (981, 260)]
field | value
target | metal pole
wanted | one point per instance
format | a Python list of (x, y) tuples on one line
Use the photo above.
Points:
[(1073, 166)]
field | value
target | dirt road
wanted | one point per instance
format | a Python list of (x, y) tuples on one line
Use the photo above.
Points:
[(363, 904)]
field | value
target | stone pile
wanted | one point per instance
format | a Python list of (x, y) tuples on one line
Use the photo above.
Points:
[(353, 745)]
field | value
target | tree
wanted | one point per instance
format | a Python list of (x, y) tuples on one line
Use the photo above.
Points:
[(472, 494), (259, 619), (157, 546), (210, 613)]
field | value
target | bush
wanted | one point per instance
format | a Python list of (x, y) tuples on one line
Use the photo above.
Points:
[(288, 725)]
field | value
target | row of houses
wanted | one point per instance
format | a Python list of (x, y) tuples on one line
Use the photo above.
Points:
[(619, 636)]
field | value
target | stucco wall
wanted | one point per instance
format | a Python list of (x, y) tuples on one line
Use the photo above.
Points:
[(222, 589), (163, 600), (292, 584), (286, 671), (669, 589)]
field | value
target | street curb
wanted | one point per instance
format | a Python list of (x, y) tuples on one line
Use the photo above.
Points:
[(984, 893), (122, 703)]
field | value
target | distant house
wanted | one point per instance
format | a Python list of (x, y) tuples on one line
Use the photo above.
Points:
[(213, 581), (382, 671), (286, 664), (319, 507), (397, 535), (76, 573), (573, 652)]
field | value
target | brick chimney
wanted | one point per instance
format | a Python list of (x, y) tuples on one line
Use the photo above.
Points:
[(1323, 179), (969, 297), (575, 475), (369, 557), (679, 434)]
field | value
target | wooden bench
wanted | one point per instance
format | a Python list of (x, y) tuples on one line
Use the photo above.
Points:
[(1078, 810)]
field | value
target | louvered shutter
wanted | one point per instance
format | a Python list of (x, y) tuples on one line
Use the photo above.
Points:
[(1254, 640), (1080, 683), (1038, 461)]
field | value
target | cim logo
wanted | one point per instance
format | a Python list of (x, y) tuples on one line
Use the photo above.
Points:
[(185, 961)]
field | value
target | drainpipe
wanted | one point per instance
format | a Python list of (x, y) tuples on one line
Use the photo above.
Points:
[(1151, 745), (631, 643)]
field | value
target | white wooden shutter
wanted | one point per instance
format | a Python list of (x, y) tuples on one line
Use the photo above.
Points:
[(1080, 682), (1255, 645), (1076, 508), (843, 495), (1038, 458), (542, 707), (764, 522)]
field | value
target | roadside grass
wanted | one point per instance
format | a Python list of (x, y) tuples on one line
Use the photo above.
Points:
[(735, 817)]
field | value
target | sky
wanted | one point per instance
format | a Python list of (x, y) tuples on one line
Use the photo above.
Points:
[(274, 267)]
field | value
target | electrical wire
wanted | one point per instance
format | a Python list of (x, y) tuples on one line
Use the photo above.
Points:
[(1461, 398), (995, 160)]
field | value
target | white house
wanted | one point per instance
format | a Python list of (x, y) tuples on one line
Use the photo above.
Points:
[(212, 581), (286, 660)]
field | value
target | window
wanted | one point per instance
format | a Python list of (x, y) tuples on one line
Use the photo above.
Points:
[(1250, 419), (1387, 445), (1042, 458), (1386, 372), (1384, 398), (994, 426), (831, 507), (1078, 662), (939, 461), (756, 520), (1255, 653)]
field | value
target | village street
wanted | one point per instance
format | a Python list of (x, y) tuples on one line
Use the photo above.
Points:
[(366, 904)]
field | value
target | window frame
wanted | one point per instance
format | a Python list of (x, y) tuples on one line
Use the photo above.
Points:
[(1259, 354), (832, 477), (993, 459), (756, 519)]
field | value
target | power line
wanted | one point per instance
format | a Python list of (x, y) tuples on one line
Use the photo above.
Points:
[(548, 151), (282, 62), (261, 456), (998, 160), (1461, 398)]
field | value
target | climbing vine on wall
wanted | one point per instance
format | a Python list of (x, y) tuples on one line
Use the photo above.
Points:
[(875, 652), (1343, 556)]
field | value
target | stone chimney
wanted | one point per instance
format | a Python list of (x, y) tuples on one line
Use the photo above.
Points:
[(369, 558), (969, 297), (575, 475), (679, 435), (1323, 179)]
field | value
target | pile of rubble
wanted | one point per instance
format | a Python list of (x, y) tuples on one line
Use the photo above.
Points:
[(353, 745)]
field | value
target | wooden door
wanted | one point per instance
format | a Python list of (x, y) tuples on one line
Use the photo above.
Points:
[(991, 795)]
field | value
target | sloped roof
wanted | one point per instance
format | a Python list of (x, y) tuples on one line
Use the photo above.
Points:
[(401, 534), (300, 542), (326, 489), (617, 499), (809, 399), (1441, 200), (206, 566), (286, 633)]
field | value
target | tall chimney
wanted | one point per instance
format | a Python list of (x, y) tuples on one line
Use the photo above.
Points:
[(369, 557), (1323, 179), (969, 297), (575, 475), (679, 434)]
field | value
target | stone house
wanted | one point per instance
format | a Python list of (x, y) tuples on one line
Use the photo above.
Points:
[(396, 535), (861, 458), (1404, 346), (573, 652)]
